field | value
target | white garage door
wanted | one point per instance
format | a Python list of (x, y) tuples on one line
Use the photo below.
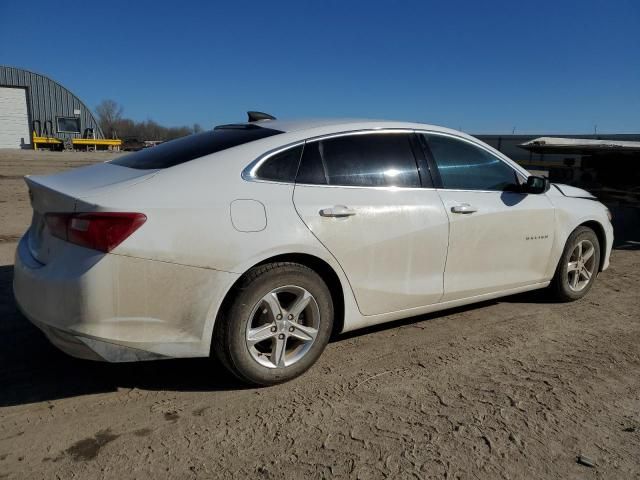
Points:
[(14, 121)]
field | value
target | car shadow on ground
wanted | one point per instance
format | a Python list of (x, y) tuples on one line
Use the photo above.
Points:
[(33, 370)]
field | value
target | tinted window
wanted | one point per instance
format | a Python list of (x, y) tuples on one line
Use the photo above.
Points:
[(467, 167), (282, 166), (193, 146), (372, 160)]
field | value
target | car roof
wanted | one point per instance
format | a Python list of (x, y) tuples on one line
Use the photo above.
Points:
[(293, 132), (329, 125)]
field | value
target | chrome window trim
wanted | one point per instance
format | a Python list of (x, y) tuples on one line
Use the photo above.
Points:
[(390, 187), (474, 191), (249, 172), (500, 156)]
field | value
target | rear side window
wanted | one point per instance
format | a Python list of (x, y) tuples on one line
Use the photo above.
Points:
[(191, 147), (371, 160), (464, 166), (281, 167)]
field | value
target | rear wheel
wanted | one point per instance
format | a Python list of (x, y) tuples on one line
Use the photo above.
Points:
[(277, 324), (578, 266)]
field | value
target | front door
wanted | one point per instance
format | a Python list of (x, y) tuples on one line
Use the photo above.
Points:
[(498, 238), (361, 195)]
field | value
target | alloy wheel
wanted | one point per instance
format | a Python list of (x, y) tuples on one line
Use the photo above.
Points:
[(282, 326), (581, 266)]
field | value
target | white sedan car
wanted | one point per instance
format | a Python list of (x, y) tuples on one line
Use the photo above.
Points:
[(255, 241)]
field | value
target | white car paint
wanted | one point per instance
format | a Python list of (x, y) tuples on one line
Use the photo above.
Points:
[(382, 249), (157, 294), (569, 191), (505, 244)]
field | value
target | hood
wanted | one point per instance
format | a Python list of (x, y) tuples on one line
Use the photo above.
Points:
[(575, 192)]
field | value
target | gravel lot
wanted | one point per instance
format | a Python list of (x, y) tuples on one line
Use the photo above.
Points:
[(514, 388)]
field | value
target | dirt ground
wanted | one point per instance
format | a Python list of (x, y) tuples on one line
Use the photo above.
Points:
[(514, 388)]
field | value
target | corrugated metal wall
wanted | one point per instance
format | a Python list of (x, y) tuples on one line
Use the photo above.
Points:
[(48, 99)]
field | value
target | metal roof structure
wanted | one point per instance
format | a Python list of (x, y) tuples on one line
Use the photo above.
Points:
[(579, 145), (47, 100)]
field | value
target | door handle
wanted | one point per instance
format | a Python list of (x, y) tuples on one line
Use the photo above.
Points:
[(464, 208), (337, 211)]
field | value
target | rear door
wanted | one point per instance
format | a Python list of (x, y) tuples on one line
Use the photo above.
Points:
[(362, 196), (498, 238)]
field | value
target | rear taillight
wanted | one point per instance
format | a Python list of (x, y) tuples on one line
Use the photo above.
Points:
[(101, 231)]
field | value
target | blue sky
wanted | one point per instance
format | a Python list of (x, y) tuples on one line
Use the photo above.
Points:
[(482, 66)]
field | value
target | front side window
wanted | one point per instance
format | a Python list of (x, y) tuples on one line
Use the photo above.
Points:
[(282, 166), (464, 166), (363, 160)]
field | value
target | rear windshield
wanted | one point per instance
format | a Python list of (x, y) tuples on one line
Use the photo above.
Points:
[(195, 146)]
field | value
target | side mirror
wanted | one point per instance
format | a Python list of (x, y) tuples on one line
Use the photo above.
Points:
[(537, 184)]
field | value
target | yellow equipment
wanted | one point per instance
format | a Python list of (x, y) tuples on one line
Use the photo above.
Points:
[(42, 138), (112, 144), (50, 141)]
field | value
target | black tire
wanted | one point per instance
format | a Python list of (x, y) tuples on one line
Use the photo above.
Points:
[(560, 287), (229, 340)]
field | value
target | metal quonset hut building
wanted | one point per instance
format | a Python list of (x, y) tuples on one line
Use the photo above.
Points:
[(30, 101)]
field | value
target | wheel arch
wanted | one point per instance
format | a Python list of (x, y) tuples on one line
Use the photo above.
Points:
[(602, 238), (318, 265)]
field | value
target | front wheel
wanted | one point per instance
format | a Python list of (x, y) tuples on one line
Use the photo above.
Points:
[(578, 266), (277, 324)]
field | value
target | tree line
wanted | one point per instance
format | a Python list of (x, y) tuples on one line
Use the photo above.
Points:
[(114, 125)]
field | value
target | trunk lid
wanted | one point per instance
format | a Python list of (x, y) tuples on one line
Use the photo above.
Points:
[(61, 193)]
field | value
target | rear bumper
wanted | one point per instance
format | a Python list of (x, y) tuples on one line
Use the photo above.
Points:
[(116, 308), (91, 349)]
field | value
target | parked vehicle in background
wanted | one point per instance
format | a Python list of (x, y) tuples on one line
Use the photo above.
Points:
[(132, 144), (256, 241)]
